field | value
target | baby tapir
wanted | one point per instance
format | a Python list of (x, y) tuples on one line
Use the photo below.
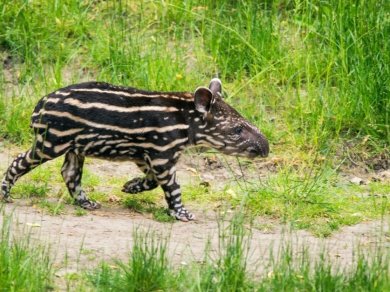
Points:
[(150, 128)]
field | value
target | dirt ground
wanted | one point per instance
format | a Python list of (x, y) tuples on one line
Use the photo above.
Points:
[(81, 242)]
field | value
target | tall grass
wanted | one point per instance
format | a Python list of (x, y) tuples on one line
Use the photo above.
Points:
[(24, 266), (146, 270), (292, 268), (320, 69), (295, 270)]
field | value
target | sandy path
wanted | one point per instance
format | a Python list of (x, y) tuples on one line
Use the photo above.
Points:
[(108, 233)]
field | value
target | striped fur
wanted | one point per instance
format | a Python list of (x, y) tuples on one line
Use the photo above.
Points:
[(150, 128)]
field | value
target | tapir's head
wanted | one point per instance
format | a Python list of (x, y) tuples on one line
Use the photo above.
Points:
[(223, 128)]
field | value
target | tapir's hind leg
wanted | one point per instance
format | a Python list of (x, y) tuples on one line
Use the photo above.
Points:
[(140, 184), (72, 171), (21, 165)]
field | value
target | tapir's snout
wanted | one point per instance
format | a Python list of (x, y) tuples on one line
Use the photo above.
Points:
[(259, 148)]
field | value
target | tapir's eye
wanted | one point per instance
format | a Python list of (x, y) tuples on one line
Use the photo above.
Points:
[(238, 130)]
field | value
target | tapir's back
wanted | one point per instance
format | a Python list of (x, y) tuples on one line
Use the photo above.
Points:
[(102, 105), (101, 114)]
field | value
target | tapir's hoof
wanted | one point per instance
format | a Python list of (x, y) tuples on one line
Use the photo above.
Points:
[(89, 205), (7, 200), (133, 186), (182, 214)]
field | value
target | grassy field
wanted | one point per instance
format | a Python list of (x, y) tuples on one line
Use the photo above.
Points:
[(312, 75)]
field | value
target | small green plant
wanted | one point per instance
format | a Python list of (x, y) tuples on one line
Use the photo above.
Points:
[(80, 211), (160, 214), (229, 271), (146, 270), (53, 208), (31, 189), (24, 266), (296, 270), (145, 204)]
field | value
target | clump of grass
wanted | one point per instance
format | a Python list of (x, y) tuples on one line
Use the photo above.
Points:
[(313, 198), (80, 211), (23, 265), (145, 204), (53, 208), (229, 271), (146, 270), (295, 269), (31, 189)]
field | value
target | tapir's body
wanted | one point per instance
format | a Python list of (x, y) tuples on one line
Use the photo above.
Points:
[(150, 128)]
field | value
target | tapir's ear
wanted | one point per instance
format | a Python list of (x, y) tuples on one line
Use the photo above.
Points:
[(203, 99), (216, 86)]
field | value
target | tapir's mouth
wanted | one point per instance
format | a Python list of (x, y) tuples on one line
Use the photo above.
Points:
[(261, 151), (252, 153)]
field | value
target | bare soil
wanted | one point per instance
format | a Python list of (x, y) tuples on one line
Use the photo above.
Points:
[(81, 242)]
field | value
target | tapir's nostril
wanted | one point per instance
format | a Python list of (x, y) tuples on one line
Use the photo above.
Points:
[(263, 147)]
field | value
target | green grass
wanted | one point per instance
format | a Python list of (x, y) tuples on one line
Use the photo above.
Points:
[(290, 269), (291, 272), (312, 75), (316, 70), (146, 270), (312, 196), (24, 266), (146, 203), (53, 208)]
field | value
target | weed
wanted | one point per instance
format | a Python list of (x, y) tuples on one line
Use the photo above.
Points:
[(145, 204), (53, 208), (80, 211), (148, 260), (24, 266), (27, 190), (161, 214)]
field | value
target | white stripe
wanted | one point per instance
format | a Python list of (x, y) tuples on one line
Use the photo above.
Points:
[(47, 144), (85, 136), (76, 102), (124, 93), (162, 175), (43, 155), (175, 192), (39, 125), (50, 100), (172, 180), (115, 141), (210, 140), (59, 133), (62, 93), (115, 128), (154, 146), (61, 147), (159, 162)]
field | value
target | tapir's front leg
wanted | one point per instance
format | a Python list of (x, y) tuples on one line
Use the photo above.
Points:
[(165, 172)]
